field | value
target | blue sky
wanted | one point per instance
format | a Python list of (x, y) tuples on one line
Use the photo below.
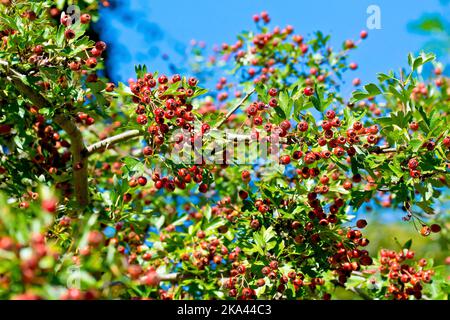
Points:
[(148, 29)]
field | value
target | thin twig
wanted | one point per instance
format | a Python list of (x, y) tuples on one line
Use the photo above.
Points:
[(228, 115), (111, 141)]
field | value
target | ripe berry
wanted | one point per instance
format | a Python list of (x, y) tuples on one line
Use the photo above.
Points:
[(435, 228), (203, 188), (347, 185), (425, 231), (141, 119), (273, 265), (302, 126), (254, 224), (91, 62), (273, 92), (162, 79), (152, 279), (363, 34), (430, 145), (38, 49), (361, 223), (110, 87), (285, 125), (85, 18), (243, 194), (69, 34), (142, 181), (308, 91), (245, 175), (413, 164), (24, 205), (100, 45), (414, 126), (49, 205), (192, 81), (446, 142), (74, 66), (257, 121), (357, 126), (273, 102), (330, 114), (285, 159), (95, 52), (414, 173), (297, 154)]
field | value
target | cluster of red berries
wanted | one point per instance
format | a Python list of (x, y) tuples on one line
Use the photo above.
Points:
[(84, 118), (348, 257), (419, 91), (31, 269), (91, 62), (405, 278), (207, 252), (263, 15), (165, 111), (184, 177), (225, 209), (51, 152)]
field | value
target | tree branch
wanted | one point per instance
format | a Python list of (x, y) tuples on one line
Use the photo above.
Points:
[(228, 115), (79, 161), (172, 277), (111, 141)]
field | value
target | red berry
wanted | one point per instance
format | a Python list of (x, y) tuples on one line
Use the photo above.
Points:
[(38, 49), (330, 114), (308, 91), (243, 194), (414, 126), (435, 228), (203, 188), (353, 66), (162, 79), (49, 205), (257, 121), (192, 81), (141, 119), (285, 125), (69, 34), (91, 62), (285, 159), (245, 175), (361, 223), (152, 279), (413, 164), (425, 231), (273, 102), (303, 126), (142, 181), (347, 185), (85, 18), (363, 34)]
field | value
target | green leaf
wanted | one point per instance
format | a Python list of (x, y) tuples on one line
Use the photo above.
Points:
[(285, 104), (415, 144), (372, 89), (407, 244)]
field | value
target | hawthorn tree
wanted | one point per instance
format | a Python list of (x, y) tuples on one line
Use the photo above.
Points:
[(151, 189)]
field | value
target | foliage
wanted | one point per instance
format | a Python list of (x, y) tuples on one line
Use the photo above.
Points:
[(135, 222)]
